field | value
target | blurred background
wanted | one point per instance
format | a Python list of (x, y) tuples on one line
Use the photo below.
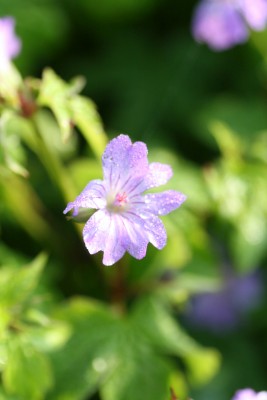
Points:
[(205, 114)]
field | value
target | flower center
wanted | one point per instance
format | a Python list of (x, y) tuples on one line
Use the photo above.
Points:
[(119, 203), (120, 199)]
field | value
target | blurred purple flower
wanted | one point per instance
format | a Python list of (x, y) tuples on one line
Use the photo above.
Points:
[(126, 219), (249, 394), (10, 44), (222, 310), (224, 23)]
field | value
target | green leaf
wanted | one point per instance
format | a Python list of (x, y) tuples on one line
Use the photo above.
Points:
[(54, 93), (86, 118), (50, 337), (92, 349), (28, 372), (140, 375), (83, 170), (11, 150), (70, 108), (156, 323), (202, 365), (158, 327), (17, 284), (245, 117), (110, 354)]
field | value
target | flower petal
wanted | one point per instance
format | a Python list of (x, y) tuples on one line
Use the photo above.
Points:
[(219, 24), (245, 394), (255, 13), (151, 227), (124, 164), (10, 44), (163, 203), (115, 157), (93, 196), (156, 232), (135, 238), (158, 174), (102, 233)]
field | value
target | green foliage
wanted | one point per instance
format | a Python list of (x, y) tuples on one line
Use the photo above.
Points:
[(70, 108)]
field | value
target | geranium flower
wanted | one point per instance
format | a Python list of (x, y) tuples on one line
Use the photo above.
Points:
[(10, 44), (127, 219), (249, 394), (224, 23)]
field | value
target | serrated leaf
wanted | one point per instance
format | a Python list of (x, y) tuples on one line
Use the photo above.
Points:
[(111, 354), (27, 373), (54, 93), (69, 108), (85, 116)]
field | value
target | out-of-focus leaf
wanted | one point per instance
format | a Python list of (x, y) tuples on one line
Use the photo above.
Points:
[(10, 81), (259, 147), (50, 337), (83, 170), (55, 93), (27, 208), (92, 348), (160, 329), (187, 178), (27, 373), (141, 374), (18, 284), (85, 116), (110, 353), (244, 117), (248, 243), (227, 140), (203, 364), (11, 150), (71, 109), (5, 396)]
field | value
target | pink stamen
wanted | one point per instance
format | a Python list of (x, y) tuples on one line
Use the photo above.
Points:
[(121, 198)]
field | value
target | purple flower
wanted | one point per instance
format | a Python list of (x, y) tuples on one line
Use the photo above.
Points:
[(249, 394), (223, 310), (224, 23), (126, 219), (10, 44)]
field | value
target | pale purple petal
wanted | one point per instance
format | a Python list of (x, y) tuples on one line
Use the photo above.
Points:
[(158, 175), (124, 164), (156, 232), (150, 226), (163, 203), (115, 157), (114, 247), (255, 13), (135, 169), (135, 239), (219, 24), (10, 44), (262, 396), (102, 233), (245, 394), (93, 196)]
